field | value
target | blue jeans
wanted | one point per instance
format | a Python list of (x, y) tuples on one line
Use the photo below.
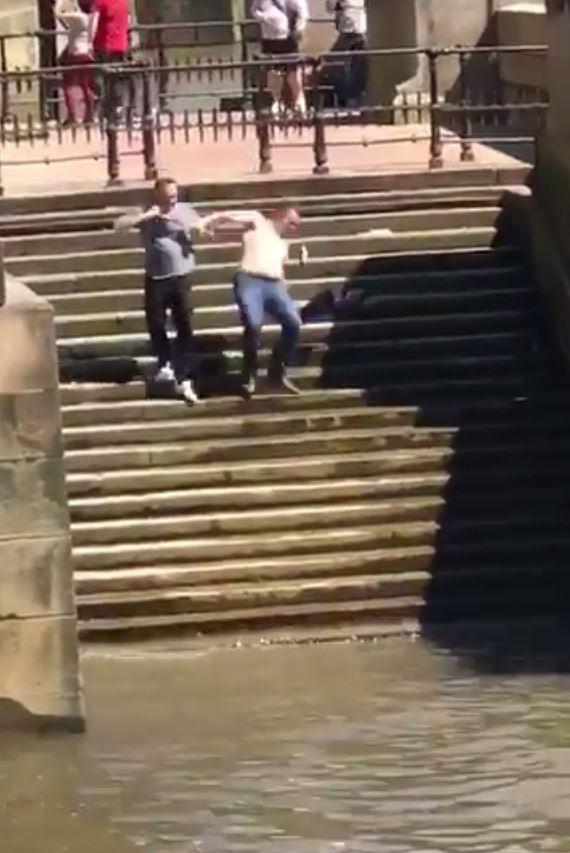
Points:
[(256, 297)]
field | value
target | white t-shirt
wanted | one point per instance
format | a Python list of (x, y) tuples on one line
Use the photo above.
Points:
[(264, 250), (78, 35), (274, 19)]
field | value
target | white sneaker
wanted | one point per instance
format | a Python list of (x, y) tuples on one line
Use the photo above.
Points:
[(188, 392), (165, 374)]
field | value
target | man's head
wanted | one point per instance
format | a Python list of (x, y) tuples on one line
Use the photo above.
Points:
[(166, 193), (286, 219)]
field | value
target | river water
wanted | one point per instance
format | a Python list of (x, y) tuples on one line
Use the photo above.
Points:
[(388, 747)]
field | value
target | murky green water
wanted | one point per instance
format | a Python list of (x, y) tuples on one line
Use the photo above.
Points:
[(388, 747)]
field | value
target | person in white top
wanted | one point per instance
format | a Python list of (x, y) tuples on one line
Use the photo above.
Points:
[(260, 289), (79, 21), (349, 75), (283, 24)]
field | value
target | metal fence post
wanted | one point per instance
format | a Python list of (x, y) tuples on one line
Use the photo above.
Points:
[(320, 142), (467, 155), (263, 125), (436, 146), (162, 75), (244, 58), (149, 142), (112, 133), (5, 109)]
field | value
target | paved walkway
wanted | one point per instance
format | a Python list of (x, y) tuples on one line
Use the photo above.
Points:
[(64, 163)]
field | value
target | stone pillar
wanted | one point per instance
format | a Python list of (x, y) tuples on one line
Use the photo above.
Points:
[(551, 206), (426, 23), (20, 16), (39, 670)]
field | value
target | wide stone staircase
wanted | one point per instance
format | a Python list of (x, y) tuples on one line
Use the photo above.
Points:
[(422, 476)]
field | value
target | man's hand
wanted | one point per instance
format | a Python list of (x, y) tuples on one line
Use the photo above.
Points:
[(303, 255), (152, 213)]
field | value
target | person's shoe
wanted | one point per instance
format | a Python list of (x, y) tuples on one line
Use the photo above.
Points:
[(165, 374), (188, 392), (284, 384), (248, 389)]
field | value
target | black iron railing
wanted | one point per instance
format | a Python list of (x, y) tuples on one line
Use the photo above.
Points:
[(460, 116)]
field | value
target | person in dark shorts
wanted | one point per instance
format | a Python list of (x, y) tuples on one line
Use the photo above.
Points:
[(283, 23), (349, 76), (166, 230)]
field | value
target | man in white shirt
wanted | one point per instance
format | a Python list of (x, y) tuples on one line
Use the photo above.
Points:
[(349, 76), (283, 23), (260, 289)]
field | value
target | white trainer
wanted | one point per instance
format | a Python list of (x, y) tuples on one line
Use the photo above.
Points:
[(188, 392), (165, 374)]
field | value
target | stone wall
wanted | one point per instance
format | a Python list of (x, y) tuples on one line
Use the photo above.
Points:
[(20, 16), (39, 672), (551, 208), (428, 23)]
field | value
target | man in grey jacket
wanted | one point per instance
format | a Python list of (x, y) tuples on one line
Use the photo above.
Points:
[(166, 230)]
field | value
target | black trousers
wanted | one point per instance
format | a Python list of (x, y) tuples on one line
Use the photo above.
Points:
[(113, 93), (162, 296)]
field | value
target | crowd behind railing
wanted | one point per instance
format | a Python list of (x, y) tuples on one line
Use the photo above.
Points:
[(272, 87)]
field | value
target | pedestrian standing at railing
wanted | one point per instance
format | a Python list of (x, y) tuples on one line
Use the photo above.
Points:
[(283, 24), (111, 44), (77, 59), (349, 75), (166, 229)]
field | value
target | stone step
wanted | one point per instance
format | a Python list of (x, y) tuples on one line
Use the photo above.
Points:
[(405, 375), (229, 597), (258, 520), (100, 457), (390, 186), (82, 456), (389, 288), (133, 345), (222, 317), (219, 416), (307, 541), (391, 611), (381, 562), (325, 467), (348, 266), (105, 238), (434, 508), (389, 615), (491, 485), (86, 422), (115, 368), (181, 426), (261, 594), (217, 254), (459, 392)]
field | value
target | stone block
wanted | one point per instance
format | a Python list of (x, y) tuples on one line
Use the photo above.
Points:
[(39, 676), (30, 424), (27, 341), (39, 670), (32, 498), (34, 577)]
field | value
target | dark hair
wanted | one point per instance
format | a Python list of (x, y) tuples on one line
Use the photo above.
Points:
[(85, 6)]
